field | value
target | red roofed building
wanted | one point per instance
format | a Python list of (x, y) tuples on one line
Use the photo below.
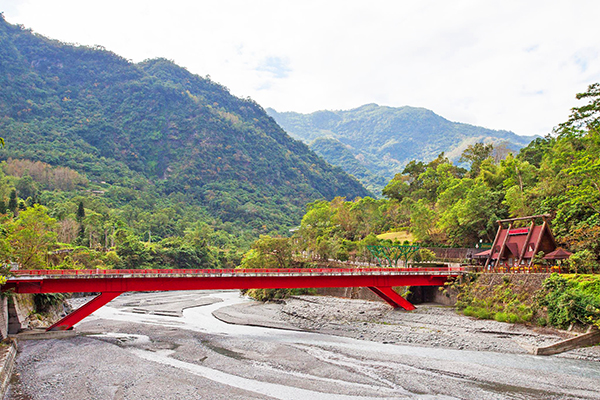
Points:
[(518, 246)]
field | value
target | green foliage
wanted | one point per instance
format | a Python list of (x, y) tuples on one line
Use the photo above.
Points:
[(562, 301), (132, 253), (475, 154), (424, 255), (13, 202), (573, 299), (268, 252), (445, 206), (44, 301), (338, 154), (342, 229), (272, 253), (276, 294), (80, 212), (151, 135), (31, 236), (583, 262)]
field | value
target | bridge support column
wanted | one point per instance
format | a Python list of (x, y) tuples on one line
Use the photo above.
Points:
[(83, 311), (391, 297)]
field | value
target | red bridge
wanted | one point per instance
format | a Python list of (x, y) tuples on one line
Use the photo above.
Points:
[(111, 283)]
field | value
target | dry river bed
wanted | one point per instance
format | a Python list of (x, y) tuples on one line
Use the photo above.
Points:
[(217, 345)]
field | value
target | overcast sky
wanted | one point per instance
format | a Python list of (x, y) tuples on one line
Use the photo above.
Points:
[(513, 65)]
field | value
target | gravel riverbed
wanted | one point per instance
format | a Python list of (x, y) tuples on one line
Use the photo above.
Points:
[(429, 325), (154, 346)]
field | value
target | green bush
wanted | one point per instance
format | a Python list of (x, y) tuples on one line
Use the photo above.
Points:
[(571, 299), (43, 301)]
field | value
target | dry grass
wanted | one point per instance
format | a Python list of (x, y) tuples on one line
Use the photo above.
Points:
[(399, 236)]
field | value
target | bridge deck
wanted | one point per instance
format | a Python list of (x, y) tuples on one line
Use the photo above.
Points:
[(189, 273), (111, 283)]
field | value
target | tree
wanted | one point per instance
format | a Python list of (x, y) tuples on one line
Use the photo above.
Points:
[(583, 262), (13, 203), (32, 236), (80, 212), (26, 187), (535, 151), (475, 154), (131, 251), (398, 188), (587, 116), (501, 151), (269, 252), (422, 220), (176, 252), (468, 211)]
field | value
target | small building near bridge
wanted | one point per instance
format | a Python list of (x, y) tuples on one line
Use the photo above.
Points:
[(517, 246)]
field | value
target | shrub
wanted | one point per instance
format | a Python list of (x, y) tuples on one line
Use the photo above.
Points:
[(571, 299)]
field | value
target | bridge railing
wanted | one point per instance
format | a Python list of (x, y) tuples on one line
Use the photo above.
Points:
[(344, 271)]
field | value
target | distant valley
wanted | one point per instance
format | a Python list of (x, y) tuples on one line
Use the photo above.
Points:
[(374, 142)]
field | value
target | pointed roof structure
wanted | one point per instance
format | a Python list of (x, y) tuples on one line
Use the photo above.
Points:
[(521, 244), (558, 254)]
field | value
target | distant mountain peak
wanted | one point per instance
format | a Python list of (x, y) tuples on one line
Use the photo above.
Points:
[(383, 139)]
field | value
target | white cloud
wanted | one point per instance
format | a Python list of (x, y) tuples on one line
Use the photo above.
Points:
[(504, 65)]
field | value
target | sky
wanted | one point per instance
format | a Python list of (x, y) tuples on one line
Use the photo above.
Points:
[(513, 65)]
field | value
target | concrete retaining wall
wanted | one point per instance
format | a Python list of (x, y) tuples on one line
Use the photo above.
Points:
[(3, 317), (7, 363), (361, 293), (418, 295), (20, 307)]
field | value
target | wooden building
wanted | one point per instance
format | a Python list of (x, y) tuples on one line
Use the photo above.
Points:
[(518, 246)]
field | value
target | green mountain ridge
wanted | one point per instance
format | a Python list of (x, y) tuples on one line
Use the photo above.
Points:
[(384, 139), (154, 126)]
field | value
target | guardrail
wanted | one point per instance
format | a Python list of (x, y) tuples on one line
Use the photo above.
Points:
[(340, 271)]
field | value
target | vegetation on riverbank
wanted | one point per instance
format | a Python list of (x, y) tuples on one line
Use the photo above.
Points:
[(540, 299), (571, 299)]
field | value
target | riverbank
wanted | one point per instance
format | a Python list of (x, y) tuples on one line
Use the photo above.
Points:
[(429, 325)]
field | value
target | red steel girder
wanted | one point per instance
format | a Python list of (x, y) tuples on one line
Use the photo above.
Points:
[(392, 298), (83, 311), (112, 283), (163, 283)]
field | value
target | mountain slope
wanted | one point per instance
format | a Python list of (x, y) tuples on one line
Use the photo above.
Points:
[(384, 139), (155, 126)]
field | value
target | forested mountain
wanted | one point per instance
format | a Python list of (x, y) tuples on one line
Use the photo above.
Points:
[(383, 140), (442, 204), (154, 129)]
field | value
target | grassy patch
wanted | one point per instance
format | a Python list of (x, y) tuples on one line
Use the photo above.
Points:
[(504, 302), (400, 236)]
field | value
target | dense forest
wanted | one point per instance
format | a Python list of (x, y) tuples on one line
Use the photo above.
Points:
[(375, 142), (153, 136), (442, 204)]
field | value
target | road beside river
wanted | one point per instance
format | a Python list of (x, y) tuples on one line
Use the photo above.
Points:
[(171, 346)]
